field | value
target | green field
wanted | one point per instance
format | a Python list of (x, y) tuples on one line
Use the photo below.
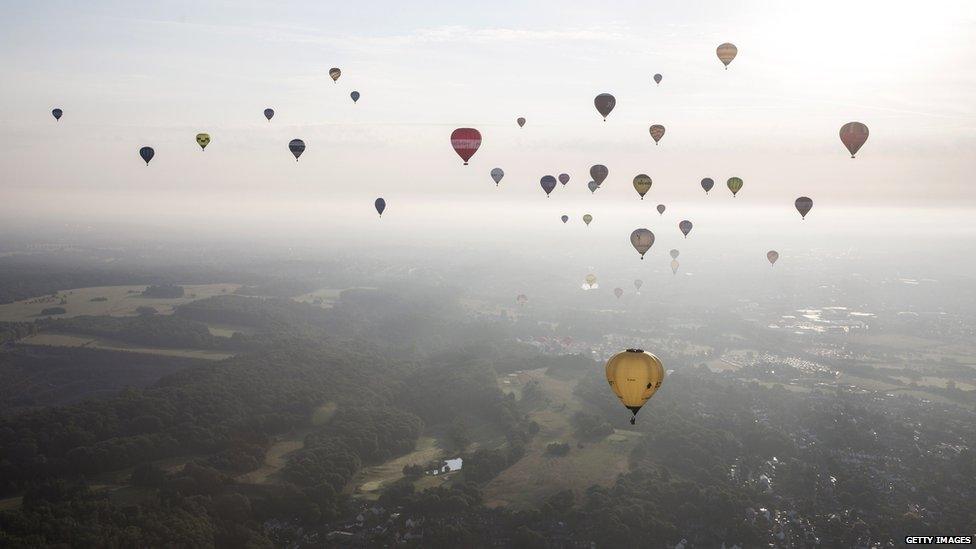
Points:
[(324, 297), (369, 483), (536, 476), (67, 340), (118, 301)]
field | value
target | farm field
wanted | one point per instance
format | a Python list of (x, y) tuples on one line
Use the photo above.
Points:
[(277, 455), (108, 300)]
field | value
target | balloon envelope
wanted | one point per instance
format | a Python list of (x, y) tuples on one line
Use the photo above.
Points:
[(593, 186), (853, 135), (591, 279), (297, 147), (604, 104), (465, 142), (642, 184), (642, 240), (638, 283), (56, 113), (380, 206), (657, 132), (726, 53), (803, 205), (520, 121), (355, 96), (685, 227), (674, 266), (548, 183), (565, 218), (707, 184), (599, 173), (735, 185), (658, 78), (675, 253), (661, 208), (587, 218), (634, 376), (497, 174), (618, 292), (564, 178), (268, 113), (335, 73), (147, 154), (203, 139), (772, 256)]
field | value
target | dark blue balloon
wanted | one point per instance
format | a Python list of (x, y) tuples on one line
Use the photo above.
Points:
[(380, 206), (268, 113), (147, 154), (707, 184), (355, 96), (57, 114), (548, 184), (297, 147)]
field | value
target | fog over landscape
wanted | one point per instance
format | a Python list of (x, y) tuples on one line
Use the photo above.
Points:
[(230, 342)]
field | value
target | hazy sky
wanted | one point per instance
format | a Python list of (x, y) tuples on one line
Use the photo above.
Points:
[(158, 73)]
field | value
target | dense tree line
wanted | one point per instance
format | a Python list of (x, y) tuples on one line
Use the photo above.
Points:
[(155, 330)]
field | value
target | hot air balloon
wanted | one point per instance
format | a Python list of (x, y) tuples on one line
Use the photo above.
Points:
[(661, 208), (380, 206), (565, 218), (642, 240), (618, 292), (203, 139), (735, 185), (685, 227), (642, 184), (674, 266), (658, 78), (465, 142), (593, 186), (497, 174), (853, 135), (803, 205), (590, 280), (726, 53), (522, 299), (520, 121), (707, 184), (268, 113), (548, 183), (657, 132), (355, 96), (634, 376), (604, 104), (564, 178), (147, 154), (56, 113), (587, 218), (772, 256), (674, 253), (297, 147), (599, 173), (335, 73), (637, 284)]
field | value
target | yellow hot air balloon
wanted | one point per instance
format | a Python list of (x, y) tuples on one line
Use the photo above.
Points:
[(642, 184), (634, 376), (203, 139), (726, 53), (590, 279), (587, 218)]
